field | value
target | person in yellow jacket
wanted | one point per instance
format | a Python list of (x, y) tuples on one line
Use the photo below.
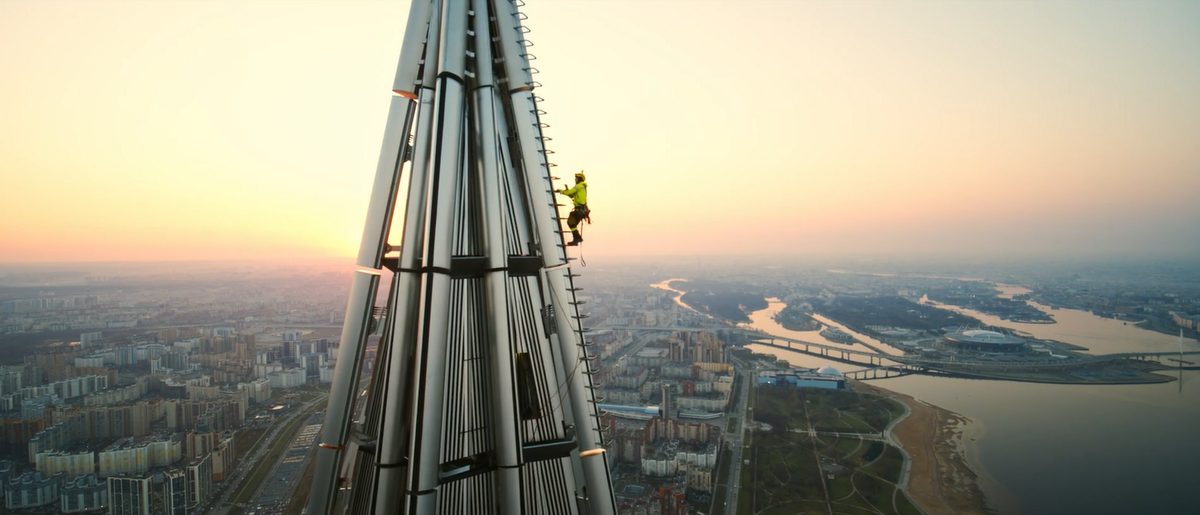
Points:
[(580, 212)]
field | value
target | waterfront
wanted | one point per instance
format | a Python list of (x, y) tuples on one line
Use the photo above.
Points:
[(1099, 335), (1062, 449)]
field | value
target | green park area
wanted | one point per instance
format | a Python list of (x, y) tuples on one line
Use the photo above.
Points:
[(799, 466)]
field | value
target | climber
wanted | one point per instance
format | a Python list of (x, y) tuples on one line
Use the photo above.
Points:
[(580, 212)]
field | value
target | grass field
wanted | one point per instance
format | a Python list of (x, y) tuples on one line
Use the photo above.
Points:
[(245, 440), (791, 471)]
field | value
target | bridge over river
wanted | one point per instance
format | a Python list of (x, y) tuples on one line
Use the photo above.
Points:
[(880, 365)]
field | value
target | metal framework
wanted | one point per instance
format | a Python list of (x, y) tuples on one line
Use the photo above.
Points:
[(481, 398)]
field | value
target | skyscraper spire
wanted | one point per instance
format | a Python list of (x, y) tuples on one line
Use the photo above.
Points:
[(480, 400)]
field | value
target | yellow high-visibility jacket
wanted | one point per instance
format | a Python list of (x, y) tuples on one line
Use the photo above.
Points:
[(578, 193)]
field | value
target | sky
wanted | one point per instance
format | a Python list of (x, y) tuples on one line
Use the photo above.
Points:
[(173, 130)]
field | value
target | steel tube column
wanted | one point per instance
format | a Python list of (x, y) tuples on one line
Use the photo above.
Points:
[(394, 433), (590, 454), (505, 429), (387, 180), (362, 299), (425, 446), (417, 35), (341, 391)]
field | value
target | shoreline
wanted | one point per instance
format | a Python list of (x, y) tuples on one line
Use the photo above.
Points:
[(941, 481)]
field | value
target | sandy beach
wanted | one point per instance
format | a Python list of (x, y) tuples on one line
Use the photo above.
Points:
[(941, 481)]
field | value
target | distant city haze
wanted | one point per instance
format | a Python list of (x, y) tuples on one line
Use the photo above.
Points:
[(250, 130)]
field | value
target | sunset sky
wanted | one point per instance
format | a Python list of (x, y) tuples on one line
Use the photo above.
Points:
[(218, 130)]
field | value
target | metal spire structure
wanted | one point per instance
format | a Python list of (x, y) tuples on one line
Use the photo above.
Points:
[(481, 398)]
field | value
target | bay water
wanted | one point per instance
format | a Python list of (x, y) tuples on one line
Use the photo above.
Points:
[(1065, 449)]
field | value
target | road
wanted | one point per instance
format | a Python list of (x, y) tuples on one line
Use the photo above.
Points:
[(262, 448), (735, 439), (276, 489)]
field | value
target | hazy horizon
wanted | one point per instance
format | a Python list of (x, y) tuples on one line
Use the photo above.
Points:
[(848, 260), (988, 130)]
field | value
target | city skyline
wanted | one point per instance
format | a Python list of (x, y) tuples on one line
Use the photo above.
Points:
[(172, 131)]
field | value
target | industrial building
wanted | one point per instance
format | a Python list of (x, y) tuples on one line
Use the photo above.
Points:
[(824, 377)]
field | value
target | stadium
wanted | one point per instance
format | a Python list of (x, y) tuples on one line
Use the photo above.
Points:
[(985, 341)]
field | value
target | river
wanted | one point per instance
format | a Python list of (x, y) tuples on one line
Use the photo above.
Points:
[(1065, 449), (1099, 335), (666, 285)]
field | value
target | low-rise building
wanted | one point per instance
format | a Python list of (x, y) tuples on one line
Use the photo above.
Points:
[(825, 377)]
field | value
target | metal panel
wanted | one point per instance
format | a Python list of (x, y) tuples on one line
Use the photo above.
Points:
[(341, 392), (387, 180), (412, 52), (504, 425)]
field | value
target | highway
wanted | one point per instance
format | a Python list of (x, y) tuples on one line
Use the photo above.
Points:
[(736, 439), (250, 463), (276, 489)]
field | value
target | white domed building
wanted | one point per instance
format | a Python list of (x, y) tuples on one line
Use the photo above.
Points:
[(829, 371)]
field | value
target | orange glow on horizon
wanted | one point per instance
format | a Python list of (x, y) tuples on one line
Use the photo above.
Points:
[(876, 127)]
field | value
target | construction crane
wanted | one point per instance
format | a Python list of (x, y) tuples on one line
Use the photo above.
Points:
[(480, 400)]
